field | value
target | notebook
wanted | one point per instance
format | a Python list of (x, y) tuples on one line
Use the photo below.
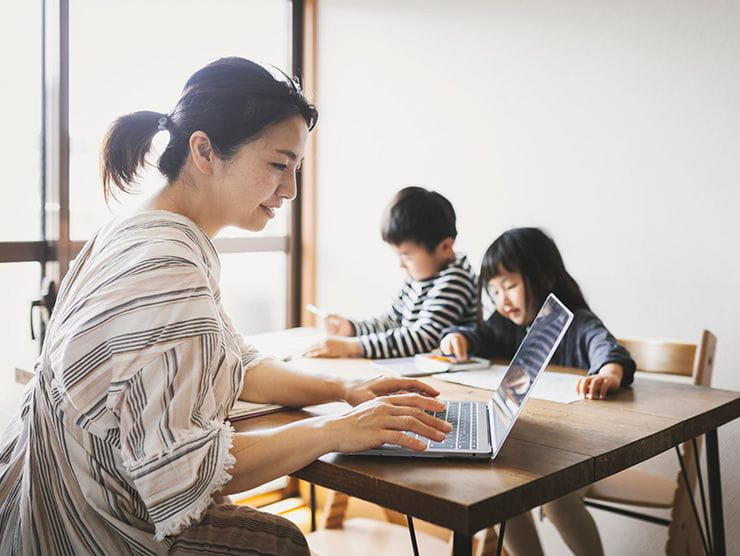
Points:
[(428, 363), (438, 363), (480, 428), (244, 410)]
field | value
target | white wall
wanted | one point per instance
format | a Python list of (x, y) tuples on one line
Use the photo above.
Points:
[(614, 125)]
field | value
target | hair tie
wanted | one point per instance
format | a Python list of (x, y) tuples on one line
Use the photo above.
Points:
[(162, 124)]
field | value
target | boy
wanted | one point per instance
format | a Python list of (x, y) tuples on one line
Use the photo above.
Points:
[(439, 290)]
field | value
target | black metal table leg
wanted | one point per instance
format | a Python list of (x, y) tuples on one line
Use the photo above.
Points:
[(412, 533), (312, 501), (715, 493), (462, 545), (500, 546)]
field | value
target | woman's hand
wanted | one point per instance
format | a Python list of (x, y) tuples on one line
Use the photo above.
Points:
[(335, 347), (386, 420), (595, 387), (455, 344), (337, 325), (361, 390)]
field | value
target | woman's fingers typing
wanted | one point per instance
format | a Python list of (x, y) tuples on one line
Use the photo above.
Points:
[(415, 400), (387, 420), (390, 385)]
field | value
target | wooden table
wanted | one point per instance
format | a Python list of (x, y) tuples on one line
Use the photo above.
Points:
[(553, 449)]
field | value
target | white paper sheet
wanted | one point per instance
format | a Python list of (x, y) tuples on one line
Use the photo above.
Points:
[(554, 387)]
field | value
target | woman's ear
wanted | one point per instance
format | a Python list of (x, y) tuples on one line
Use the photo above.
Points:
[(202, 153)]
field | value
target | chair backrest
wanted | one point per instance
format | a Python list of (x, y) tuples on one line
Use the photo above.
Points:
[(694, 362), (675, 358)]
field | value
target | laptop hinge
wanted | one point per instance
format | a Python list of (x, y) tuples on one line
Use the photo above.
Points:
[(491, 428)]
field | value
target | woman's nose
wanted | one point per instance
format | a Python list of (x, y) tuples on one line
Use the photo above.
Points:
[(289, 188)]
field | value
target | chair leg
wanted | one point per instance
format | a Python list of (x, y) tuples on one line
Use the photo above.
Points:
[(690, 494), (489, 543), (703, 497), (334, 510)]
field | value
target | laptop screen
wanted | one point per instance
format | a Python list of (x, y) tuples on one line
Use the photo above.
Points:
[(533, 355)]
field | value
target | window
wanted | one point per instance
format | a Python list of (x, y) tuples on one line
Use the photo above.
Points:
[(21, 152), (74, 67), (172, 40)]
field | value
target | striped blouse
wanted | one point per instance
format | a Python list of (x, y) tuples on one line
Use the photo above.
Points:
[(420, 312), (120, 441)]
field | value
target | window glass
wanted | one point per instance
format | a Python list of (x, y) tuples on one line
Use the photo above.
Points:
[(20, 113), (19, 284), (137, 55), (253, 290)]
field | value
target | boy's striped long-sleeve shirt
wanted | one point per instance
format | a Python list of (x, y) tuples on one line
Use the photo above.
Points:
[(420, 312)]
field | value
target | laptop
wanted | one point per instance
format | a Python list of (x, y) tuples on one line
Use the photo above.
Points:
[(479, 429)]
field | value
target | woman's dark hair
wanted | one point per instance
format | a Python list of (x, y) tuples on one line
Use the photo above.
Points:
[(533, 254), (419, 215), (231, 100)]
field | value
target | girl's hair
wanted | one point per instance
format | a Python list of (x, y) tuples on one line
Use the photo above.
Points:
[(533, 254), (231, 100)]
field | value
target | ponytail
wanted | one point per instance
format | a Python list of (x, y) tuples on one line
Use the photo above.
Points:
[(125, 146), (231, 100)]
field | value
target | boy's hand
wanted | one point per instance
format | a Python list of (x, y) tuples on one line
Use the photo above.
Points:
[(595, 387), (455, 344), (337, 325), (335, 347)]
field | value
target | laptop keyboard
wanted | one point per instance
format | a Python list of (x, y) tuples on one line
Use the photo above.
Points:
[(463, 416)]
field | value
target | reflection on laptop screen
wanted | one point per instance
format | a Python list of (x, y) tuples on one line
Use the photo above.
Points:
[(533, 354)]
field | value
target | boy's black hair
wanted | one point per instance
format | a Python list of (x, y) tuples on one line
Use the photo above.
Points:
[(419, 215), (533, 254)]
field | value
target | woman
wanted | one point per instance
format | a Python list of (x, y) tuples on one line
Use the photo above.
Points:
[(120, 445)]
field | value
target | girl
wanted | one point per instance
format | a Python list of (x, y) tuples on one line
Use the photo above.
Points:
[(121, 444), (518, 271)]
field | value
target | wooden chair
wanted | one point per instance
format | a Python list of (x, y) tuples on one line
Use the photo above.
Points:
[(663, 360)]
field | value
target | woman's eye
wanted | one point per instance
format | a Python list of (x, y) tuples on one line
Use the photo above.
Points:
[(279, 166)]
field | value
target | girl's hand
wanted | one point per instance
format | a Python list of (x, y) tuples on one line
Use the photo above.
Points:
[(335, 347), (337, 325), (456, 344), (385, 420), (595, 387), (361, 390)]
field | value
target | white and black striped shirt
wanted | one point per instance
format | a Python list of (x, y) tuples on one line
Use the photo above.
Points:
[(120, 441), (420, 312)]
